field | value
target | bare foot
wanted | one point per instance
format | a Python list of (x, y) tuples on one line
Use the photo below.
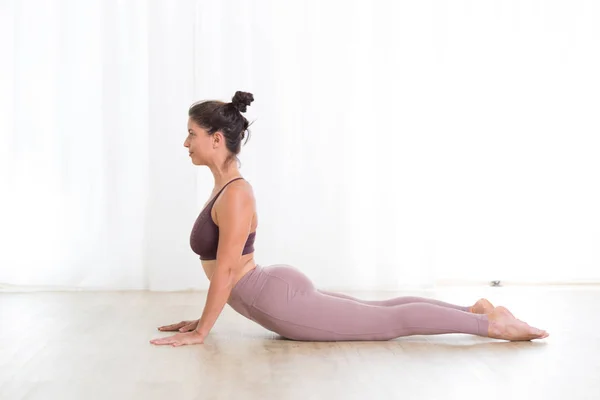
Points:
[(503, 325), (482, 306)]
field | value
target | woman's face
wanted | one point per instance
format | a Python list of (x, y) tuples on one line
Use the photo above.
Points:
[(198, 143)]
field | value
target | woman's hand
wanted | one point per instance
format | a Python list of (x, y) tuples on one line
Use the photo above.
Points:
[(183, 326), (180, 339)]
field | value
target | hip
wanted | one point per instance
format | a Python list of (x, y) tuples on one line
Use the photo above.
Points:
[(268, 288)]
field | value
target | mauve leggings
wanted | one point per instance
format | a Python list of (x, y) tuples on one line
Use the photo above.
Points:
[(284, 300)]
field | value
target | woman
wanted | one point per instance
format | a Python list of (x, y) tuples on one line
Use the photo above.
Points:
[(279, 297)]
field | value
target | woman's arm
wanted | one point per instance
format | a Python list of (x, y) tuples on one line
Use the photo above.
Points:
[(234, 215)]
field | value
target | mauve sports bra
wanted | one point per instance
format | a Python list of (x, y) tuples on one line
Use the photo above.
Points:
[(204, 239)]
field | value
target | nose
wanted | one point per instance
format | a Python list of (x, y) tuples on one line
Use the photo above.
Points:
[(186, 143)]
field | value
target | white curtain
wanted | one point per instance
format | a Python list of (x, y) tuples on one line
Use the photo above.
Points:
[(97, 191), (395, 144)]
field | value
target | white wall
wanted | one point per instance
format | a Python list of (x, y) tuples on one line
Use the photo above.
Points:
[(395, 144)]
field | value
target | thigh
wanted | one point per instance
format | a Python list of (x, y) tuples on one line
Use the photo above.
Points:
[(315, 316), (348, 297)]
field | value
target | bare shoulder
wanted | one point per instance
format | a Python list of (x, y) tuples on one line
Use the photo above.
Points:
[(240, 189), (238, 195)]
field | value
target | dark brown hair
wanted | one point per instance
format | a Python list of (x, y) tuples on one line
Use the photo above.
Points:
[(213, 116)]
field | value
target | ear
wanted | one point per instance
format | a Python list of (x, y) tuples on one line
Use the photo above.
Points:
[(218, 137)]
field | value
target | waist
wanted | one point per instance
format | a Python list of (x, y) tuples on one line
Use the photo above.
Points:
[(247, 264)]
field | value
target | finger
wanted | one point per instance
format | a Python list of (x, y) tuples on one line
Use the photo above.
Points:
[(188, 328), (166, 328), (173, 327), (162, 343), (167, 340)]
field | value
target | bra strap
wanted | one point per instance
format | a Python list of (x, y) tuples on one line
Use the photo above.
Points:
[(235, 179)]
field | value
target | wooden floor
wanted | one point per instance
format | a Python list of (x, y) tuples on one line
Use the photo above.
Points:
[(82, 345)]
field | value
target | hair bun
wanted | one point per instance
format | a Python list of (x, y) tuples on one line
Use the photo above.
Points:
[(241, 100)]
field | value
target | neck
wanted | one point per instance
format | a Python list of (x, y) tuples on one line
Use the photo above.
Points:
[(224, 175)]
